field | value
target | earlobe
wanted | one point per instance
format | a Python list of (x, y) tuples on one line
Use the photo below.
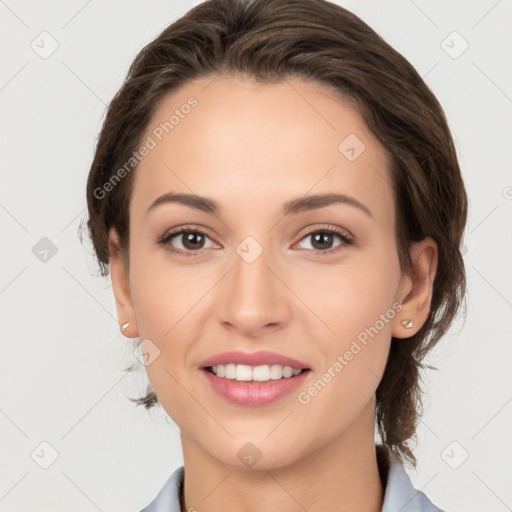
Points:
[(119, 274), (419, 289)]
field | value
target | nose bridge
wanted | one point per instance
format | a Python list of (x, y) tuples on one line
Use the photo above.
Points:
[(255, 297), (252, 278)]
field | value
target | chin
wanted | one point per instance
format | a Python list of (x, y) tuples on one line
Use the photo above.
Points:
[(260, 454)]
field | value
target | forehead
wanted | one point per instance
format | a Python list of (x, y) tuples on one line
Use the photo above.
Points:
[(242, 141)]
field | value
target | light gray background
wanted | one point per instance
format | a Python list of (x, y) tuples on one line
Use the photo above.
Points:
[(62, 353)]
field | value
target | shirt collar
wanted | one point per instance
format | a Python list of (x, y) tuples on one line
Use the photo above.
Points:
[(399, 494)]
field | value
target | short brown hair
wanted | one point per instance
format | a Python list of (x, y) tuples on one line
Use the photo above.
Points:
[(270, 40)]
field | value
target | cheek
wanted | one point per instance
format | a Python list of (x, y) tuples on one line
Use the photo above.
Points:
[(166, 301), (349, 297), (163, 293), (354, 308), (163, 298), (361, 339), (354, 357)]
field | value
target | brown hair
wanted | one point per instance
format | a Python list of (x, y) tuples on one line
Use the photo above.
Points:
[(270, 40)]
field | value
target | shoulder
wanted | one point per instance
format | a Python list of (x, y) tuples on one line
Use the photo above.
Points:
[(168, 499)]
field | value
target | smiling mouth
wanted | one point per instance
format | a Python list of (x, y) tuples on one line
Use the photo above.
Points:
[(254, 374), (254, 386)]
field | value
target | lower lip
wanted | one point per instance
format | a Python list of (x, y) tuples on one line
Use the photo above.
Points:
[(254, 393)]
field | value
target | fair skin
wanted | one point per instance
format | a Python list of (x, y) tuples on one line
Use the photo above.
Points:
[(251, 148)]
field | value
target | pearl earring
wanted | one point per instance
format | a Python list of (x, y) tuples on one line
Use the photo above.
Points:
[(407, 323), (125, 326)]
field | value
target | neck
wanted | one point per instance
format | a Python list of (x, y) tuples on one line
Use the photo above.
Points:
[(342, 475)]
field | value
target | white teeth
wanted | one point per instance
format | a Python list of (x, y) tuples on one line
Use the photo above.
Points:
[(261, 373), (243, 372), (230, 372), (276, 372)]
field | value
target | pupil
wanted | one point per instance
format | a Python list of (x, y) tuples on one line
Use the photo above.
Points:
[(189, 239), (322, 239)]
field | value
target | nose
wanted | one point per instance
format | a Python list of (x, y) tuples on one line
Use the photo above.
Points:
[(254, 300)]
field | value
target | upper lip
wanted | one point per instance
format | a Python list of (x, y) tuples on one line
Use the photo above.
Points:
[(253, 359)]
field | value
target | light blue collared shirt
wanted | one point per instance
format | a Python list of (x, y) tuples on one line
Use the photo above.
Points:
[(399, 493)]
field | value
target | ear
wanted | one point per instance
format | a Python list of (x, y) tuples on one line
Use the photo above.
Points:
[(415, 292), (119, 274)]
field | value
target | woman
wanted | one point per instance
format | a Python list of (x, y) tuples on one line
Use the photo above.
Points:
[(277, 197)]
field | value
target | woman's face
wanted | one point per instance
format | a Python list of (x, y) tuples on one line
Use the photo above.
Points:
[(274, 268)]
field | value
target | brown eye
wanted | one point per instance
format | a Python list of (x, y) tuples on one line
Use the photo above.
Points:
[(191, 240), (322, 241), (188, 242)]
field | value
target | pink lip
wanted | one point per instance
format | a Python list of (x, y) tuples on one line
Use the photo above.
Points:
[(253, 393), (253, 359)]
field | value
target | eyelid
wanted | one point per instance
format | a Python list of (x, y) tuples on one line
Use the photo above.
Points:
[(186, 227), (314, 228)]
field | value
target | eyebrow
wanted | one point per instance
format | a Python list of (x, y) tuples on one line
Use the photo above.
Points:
[(292, 207)]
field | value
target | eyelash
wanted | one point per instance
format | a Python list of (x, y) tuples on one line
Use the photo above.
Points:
[(344, 237)]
